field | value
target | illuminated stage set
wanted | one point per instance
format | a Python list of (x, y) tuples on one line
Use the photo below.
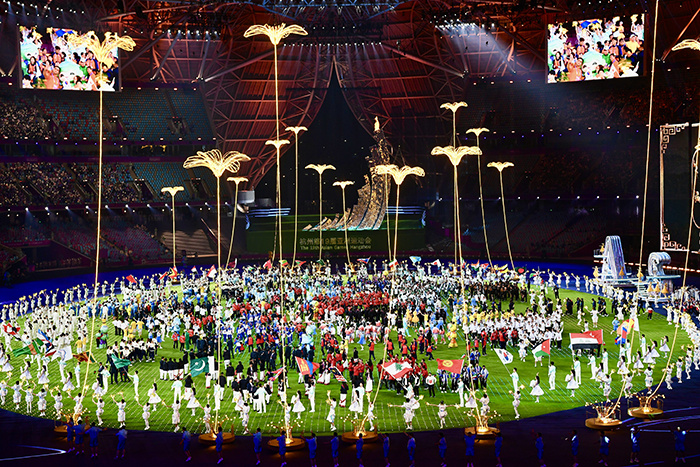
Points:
[(291, 223)]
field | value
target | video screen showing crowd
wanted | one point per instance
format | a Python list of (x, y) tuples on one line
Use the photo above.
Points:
[(596, 49), (50, 61)]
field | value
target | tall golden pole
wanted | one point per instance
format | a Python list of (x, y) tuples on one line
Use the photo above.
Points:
[(218, 163), (172, 190), (453, 107), (276, 34), (477, 132), (296, 130), (103, 52), (455, 155), (320, 168), (399, 175), (237, 181), (342, 186), (385, 169), (500, 166)]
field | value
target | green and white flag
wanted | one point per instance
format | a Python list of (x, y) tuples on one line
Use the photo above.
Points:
[(199, 366)]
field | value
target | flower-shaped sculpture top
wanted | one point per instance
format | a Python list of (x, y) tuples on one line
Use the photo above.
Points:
[(687, 44), (296, 129), (102, 50), (344, 183), (320, 168), (500, 165), (275, 33), (400, 173), (172, 190), (453, 106), (456, 154), (277, 143), (477, 131), (217, 162), (237, 180), (384, 169)]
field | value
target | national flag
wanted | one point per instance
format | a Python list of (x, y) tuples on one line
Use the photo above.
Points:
[(268, 264), (199, 366), (320, 262), (131, 279), (193, 270), (212, 272), (164, 275), (338, 375), (275, 374), (173, 272), (393, 264), (453, 366), (64, 354), (520, 270), (22, 351), (503, 355), (436, 263), (232, 264), (306, 367), (284, 263), (81, 357), (501, 268), (363, 260), (11, 330), (299, 263), (397, 370), (586, 340), (120, 363), (44, 339), (621, 339), (542, 349), (415, 259)]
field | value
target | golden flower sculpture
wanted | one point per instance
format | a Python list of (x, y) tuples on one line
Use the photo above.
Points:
[(477, 132), (277, 143), (320, 168), (500, 166), (296, 129), (172, 191), (399, 174), (687, 44), (455, 154), (275, 33), (102, 50), (217, 162), (385, 170), (454, 107)]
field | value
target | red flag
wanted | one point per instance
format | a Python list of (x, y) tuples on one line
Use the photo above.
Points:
[(275, 374), (131, 279), (173, 272), (453, 366), (268, 264), (306, 367)]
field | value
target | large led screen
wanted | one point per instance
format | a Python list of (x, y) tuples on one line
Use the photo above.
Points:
[(49, 61), (595, 49)]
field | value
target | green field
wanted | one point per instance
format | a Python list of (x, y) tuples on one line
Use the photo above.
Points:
[(388, 419)]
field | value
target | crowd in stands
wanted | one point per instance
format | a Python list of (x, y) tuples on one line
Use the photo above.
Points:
[(116, 186), (136, 242), (11, 194), (51, 180), (20, 234), (22, 120)]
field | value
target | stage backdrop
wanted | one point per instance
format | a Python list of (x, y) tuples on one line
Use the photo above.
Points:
[(677, 147)]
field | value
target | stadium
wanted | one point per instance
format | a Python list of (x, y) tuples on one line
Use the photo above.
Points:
[(407, 227)]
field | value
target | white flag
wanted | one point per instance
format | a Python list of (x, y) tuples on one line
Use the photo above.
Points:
[(505, 356)]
